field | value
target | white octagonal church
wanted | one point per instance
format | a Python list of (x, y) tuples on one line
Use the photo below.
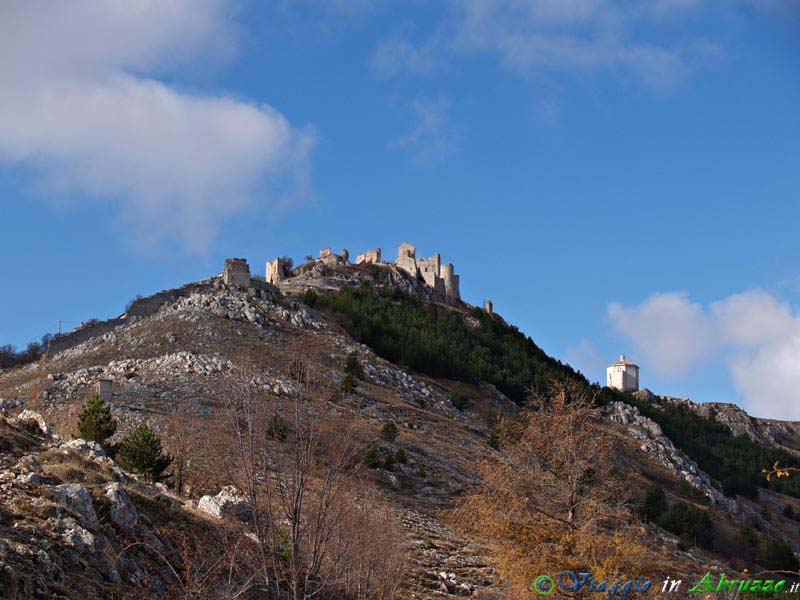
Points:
[(623, 375)]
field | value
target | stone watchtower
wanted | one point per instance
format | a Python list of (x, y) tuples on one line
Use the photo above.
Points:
[(237, 272), (623, 375)]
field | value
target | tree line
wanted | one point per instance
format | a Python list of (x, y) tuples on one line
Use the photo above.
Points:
[(11, 357)]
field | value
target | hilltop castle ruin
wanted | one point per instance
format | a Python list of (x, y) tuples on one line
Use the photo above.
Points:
[(441, 278)]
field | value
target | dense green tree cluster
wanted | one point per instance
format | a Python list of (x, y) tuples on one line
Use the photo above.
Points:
[(692, 525), (769, 552), (776, 554), (431, 339)]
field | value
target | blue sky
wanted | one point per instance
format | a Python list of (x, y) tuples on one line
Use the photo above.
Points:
[(617, 176)]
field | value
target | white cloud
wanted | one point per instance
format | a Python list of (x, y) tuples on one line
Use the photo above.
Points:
[(752, 318), (395, 55), (432, 138), (558, 36), (769, 378), (756, 334), (79, 104), (673, 333)]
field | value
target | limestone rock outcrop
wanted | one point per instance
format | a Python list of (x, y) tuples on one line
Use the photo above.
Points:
[(655, 443)]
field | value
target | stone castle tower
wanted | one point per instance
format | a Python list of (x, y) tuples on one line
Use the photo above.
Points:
[(441, 278)]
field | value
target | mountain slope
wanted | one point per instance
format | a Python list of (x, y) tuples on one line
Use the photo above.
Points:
[(174, 353)]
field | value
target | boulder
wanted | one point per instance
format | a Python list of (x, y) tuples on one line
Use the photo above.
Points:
[(227, 504), (28, 417), (80, 539), (122, 513), (77, 498)]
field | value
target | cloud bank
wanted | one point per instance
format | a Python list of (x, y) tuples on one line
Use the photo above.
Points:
[(82, 106), (755, 334)]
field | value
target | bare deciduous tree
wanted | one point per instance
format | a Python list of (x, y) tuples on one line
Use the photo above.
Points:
[(299, 479), (181, 433)]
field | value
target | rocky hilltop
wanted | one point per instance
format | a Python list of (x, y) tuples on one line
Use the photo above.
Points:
[(67, 508)]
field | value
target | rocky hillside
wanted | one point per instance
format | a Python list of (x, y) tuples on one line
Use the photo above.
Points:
[(66, 508)]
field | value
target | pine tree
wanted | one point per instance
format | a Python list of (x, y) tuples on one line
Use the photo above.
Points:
[(140, 451), (353, 366), (655, 503), (389, 432), (95, 423)]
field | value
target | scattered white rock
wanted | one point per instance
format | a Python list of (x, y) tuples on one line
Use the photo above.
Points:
[(654, 442), (92, 449), (227, 504)]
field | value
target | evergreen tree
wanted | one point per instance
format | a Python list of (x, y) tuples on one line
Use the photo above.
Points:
[(389, 432), (655, 503), (776, 554), (349, 383), (140, 451), (95, 423), (353, 366), (371, 457), (277, 429)]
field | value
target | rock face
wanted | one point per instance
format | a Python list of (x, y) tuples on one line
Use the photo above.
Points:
[(52, 542), (655, 443), (227, 504)]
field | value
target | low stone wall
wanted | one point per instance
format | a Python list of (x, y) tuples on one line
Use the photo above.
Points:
[(65, 341)]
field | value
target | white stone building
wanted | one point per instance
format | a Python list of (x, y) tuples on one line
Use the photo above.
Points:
[(623, 375)]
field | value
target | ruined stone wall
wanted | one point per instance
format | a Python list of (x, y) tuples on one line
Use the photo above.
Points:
[(65, 341), (406, 259), (430, 269), (370, 257), (276, 271)]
